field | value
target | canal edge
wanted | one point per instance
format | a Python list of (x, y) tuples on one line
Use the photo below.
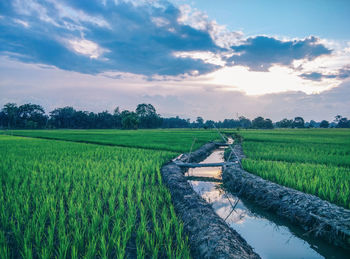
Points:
[(315, 216), (209, 235)]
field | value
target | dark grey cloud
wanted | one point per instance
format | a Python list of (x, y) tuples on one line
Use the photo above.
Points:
[(344, 73), (131, 38), (316, 76), (261, 52), (341, 74)]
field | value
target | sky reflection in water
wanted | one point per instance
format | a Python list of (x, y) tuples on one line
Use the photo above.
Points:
[(269, 240)]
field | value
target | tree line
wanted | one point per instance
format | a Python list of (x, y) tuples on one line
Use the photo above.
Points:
[(145, 116)]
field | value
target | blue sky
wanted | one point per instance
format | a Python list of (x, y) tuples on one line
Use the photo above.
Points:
[(246, 57), (298, 18)]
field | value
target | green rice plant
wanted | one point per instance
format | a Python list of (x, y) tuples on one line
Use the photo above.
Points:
[(177, 140), (315, 161), (328, 182), (310, 136), (71, 200), (333, 155)]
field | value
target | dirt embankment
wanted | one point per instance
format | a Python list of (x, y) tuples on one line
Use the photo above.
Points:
[(317, 217), (209, 235)]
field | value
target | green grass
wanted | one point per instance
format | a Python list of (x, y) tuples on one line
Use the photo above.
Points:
[(71, 200), (171, 140), (315, 161)]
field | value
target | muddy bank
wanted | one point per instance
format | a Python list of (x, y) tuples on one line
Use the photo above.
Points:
[(209, 235), (317, 217), (199, 154)]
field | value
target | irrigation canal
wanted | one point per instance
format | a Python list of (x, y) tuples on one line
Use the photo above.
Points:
[(270, 236)]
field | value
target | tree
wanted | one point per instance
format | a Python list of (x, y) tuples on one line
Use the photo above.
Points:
[(63, 117), (199, 122), (261, 123), (298, 122), (176, 122), (25, 116), (117, 118), (148, 116), (343, 123), (209, 124), (2, 119), (31, 116), (130, 120), (104, 120), (285, 123), (10, 112), (244, 122), (268, 124), (258, 123), (337, 118), (324, 124), (116, 111), (313, 124), (229, 123), (144, 110), (82, 120)]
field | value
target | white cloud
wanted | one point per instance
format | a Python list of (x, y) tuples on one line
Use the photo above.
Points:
[(200, 20), (206, 56), (160, 21), (87, 47), (137, 2), (328, 64), (77, 16), (347, 48), (32, 7), (54, 16), (21, 22)]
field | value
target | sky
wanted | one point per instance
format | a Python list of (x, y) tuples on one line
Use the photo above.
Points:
[(215, 59)]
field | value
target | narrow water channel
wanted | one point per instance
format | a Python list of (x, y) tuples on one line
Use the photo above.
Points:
[(270, 236)]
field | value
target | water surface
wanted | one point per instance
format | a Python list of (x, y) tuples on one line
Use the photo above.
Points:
[(269, 235)]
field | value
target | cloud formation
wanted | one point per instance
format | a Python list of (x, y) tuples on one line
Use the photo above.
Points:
[(141, 37), (98, 36), (52, 88), (341, 74), (261, 52)]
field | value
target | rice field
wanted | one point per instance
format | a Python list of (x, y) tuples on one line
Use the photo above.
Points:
[(177, 140), (315, 161), (71, 200), (60, 198)]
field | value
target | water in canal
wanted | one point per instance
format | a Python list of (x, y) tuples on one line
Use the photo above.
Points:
[(270, 236)]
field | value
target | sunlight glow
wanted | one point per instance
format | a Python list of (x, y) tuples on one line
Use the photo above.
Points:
[(279, 79)]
